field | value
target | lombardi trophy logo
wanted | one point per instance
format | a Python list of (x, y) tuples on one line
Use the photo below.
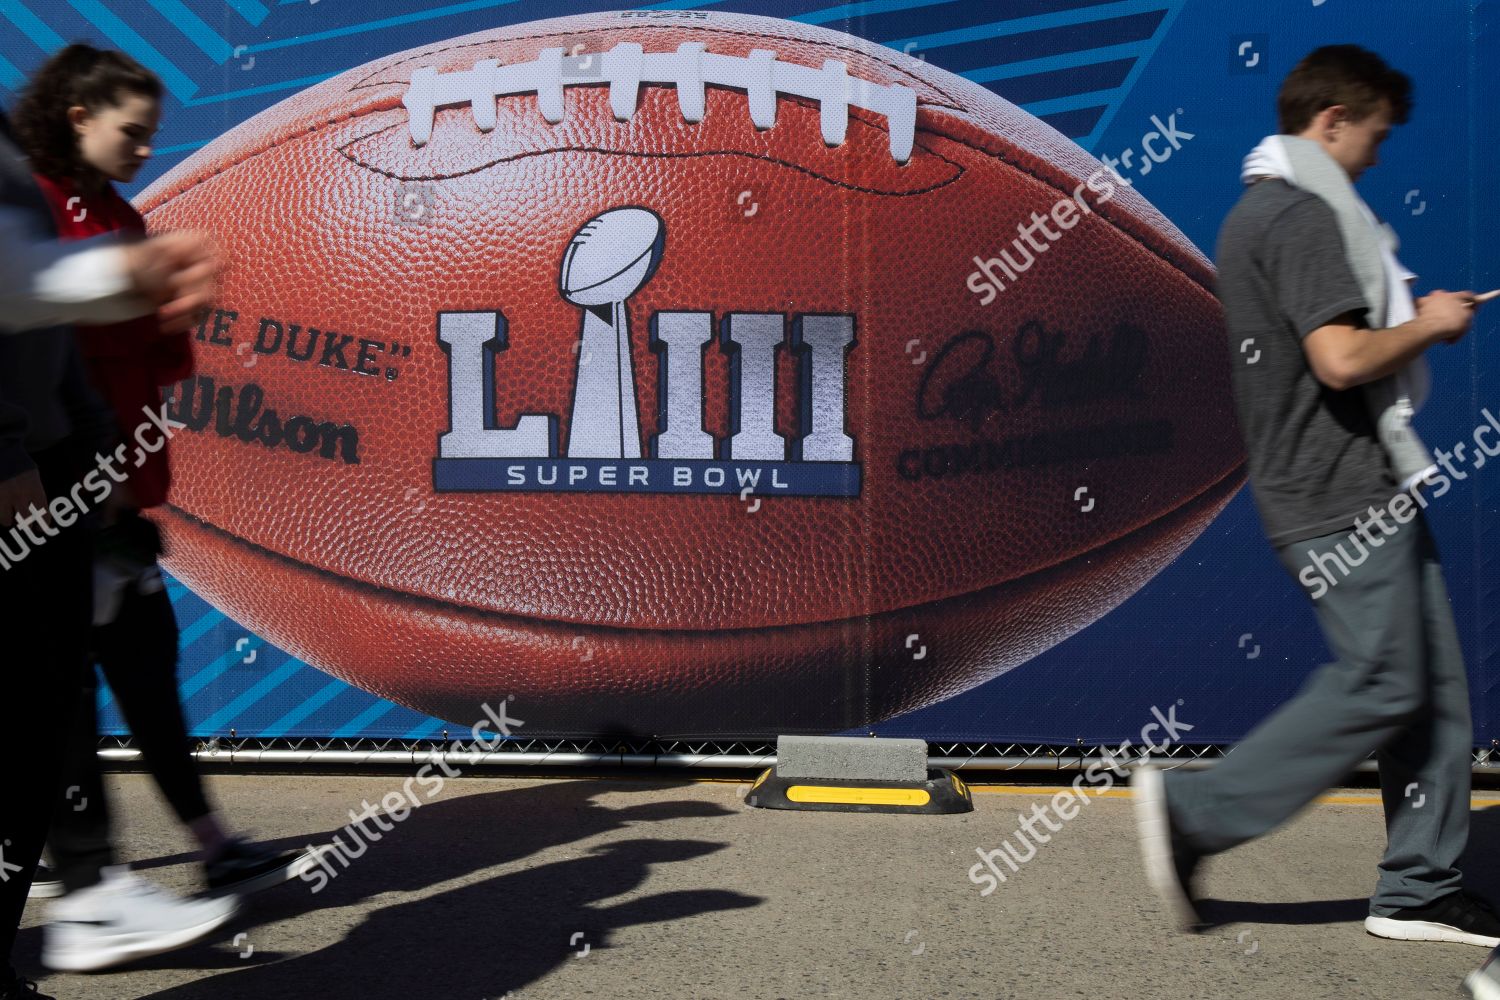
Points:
[(609, 260)]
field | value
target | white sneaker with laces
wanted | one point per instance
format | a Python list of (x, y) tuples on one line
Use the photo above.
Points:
[(124, 918)]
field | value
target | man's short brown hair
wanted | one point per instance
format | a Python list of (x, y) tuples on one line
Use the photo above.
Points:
[(1344, 75)]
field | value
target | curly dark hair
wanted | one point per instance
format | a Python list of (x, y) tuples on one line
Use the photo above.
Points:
[(79, 75), (1342, 74)]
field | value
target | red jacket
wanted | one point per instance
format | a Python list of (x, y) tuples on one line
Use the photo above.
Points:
[(129, 362)]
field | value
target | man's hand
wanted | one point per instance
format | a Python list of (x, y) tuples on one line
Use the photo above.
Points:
[(1449, 315), (19, 494), (177, 272)]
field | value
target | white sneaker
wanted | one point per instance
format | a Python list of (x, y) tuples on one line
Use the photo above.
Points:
[(45, 884), (123, 918), (1170, 863)]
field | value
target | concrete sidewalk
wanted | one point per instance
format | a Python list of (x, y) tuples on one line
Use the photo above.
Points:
[(554, 889)]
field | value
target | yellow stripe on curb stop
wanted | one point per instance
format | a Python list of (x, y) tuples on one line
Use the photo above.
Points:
[(835, 794)]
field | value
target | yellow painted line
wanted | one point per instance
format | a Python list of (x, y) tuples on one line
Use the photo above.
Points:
[(1117, 792), (1108, 793), (859, 796), (1124, 793), (1360, 800)]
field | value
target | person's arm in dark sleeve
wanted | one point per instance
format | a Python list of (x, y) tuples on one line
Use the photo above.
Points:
[(1308, 268), (1317, 292), (48, 283), (20, 483), (13, 456), (93, 422)]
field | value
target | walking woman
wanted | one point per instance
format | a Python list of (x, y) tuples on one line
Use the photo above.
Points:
[(86, 121)]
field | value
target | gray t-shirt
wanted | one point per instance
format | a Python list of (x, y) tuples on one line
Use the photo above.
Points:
[(1315, 460)]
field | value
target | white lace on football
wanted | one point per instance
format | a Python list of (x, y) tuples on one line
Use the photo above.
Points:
[(691, 68)]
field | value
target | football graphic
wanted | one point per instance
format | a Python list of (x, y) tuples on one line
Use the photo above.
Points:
[(682, 373), (611, 257)]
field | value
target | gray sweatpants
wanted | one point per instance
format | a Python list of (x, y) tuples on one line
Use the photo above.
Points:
[(1398, 689)]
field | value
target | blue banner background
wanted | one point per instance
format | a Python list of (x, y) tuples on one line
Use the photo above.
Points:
[(1223, 630)]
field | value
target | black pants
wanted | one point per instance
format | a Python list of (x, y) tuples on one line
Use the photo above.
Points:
[(47, 605), (138, 654)]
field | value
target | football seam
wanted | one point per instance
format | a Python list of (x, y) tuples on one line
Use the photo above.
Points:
[(1136, 238), (148, 205), (954, 104), (315, 128), (364, 165), (1109, 219), (451, 608)]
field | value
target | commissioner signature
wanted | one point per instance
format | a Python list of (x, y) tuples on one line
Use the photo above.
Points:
[(960, 382)]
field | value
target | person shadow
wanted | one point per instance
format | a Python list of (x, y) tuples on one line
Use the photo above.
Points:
[(1479, 864), (479, 938)]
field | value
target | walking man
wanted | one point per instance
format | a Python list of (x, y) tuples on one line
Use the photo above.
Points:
[(1309, 275)]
